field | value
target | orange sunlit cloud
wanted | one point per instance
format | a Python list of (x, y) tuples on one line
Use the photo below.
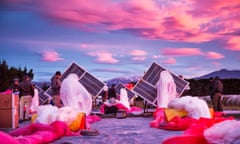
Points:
[(181, 51), (51, 56)]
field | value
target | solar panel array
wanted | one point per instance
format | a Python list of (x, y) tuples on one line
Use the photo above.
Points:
[(130, 93), (92, 84), (146, 86)]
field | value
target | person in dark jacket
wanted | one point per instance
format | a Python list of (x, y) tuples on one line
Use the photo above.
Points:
[(56, 85), (217, 90), (15, 86), (210, 88), (112, 92), (26, 92)]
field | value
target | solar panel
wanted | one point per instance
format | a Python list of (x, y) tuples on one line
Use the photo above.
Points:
[(181, 84), (92, 84), (153, 74), (43, 98), (146, 91), (130, 93), (74, 68), (146, 88)]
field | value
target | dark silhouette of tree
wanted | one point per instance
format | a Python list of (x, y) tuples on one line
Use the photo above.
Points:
[(7, 74), (200, 87)]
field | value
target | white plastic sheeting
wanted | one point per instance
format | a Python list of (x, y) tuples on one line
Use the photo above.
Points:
[(226, 132), (74, 94), (195, 106), (46, 114), (166, 89), (124, 98), (35, 101)]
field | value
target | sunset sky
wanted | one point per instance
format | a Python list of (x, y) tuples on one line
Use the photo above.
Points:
[(120, 38)]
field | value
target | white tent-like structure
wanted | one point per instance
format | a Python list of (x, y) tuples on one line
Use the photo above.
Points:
[(75, 95), (166, 89), (124, 98)]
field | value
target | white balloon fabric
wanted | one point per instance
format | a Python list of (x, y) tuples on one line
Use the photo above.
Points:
[(46, 114), (35, 101), (166, 89), (226, 132), (66, 114), (195, 106), (74, 94), (124, 98)]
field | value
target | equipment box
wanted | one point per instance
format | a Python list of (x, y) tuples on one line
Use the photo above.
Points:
[(9, 110)]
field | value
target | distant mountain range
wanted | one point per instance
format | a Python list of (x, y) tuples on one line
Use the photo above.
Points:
[(223, 74), (123, 80)]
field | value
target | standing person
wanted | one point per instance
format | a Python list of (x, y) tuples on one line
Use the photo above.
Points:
[(210, 88), (14, 87), (26, 92), (56, 85), (218, 90), (110, 105), (112, 92), (105, 92)]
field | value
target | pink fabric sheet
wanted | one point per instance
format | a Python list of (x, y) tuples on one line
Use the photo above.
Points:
[(36, 133), (122, 107), (193, 128)]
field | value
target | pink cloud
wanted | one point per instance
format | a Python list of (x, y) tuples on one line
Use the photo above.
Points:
[(181, 51), (156, 56), (51, 56), (84, 46), (170, 61), (189, 21), (139, 58), (137, 53), (194, 68), (104, 57), (233, 43), (216, 64), (214, 55)]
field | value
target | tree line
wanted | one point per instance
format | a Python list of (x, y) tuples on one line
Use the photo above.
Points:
[(201, 87), (7, 74)]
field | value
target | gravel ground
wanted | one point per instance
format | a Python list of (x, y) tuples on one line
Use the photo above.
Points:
[(133, 130)]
